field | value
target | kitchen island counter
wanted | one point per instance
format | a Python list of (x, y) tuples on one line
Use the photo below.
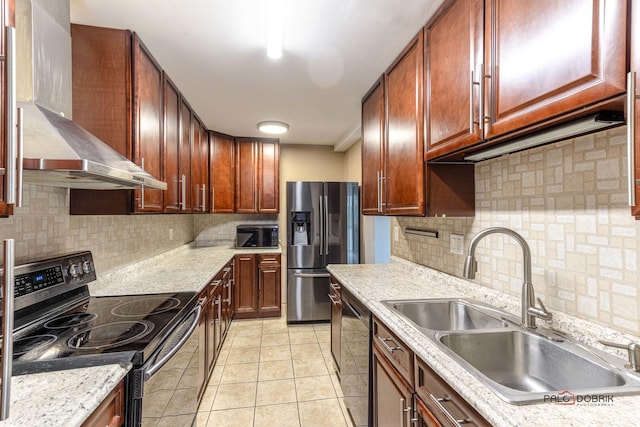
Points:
[(401, 279)]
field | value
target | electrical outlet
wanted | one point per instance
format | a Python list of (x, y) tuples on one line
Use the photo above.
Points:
[(171, 234), (456, 244), (396, 234)]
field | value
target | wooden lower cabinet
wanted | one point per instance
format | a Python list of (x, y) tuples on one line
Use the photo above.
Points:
[(110, 413), (406, 391), (257, 286)]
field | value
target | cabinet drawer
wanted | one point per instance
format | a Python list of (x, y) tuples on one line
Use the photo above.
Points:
[(269, 259), (442, 401), (400, 356)]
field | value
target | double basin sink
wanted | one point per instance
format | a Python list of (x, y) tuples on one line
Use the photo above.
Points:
[(520, 365)]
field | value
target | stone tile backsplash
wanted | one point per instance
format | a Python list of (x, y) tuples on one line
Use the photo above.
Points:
[(569, 201)]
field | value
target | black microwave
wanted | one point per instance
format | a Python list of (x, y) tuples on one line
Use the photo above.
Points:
[(257, 236)]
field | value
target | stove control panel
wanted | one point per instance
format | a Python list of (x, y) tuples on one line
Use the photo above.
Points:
[(31, 282)]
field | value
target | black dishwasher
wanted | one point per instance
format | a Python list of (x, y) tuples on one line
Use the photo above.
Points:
[(355, 360)]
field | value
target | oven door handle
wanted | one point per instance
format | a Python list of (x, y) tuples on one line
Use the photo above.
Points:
[(151, 370)]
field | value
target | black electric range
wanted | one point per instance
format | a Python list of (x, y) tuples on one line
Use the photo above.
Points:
[(58, 325)]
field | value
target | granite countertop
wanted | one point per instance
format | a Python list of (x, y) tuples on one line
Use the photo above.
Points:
[(67, 398), (400, 279), (61, 398)]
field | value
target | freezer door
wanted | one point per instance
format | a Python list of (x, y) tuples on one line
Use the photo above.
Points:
[(308, 295), (305, 197), (342, 213)]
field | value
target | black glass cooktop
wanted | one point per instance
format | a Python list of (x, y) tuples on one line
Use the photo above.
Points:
[(115, 329)]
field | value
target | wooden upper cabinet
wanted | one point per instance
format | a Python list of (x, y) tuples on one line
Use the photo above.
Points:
[(454, 56), (403, 181), (7, 18), (118, 96), (373, 149), (221, 173), (635, 120), (257, 175), (171, 146), (548, 58), (186, 138), (199, 170), (147, 124)]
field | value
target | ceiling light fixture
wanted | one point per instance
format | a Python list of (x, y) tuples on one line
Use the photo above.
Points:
[(275, 28), (273, 127)]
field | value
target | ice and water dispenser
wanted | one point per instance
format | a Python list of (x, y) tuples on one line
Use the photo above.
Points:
[(301, 226)]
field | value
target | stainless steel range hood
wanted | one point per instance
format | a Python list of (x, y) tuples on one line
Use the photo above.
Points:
[(57, 151)]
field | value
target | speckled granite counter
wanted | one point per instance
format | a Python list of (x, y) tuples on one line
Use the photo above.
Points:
[(185, 269), (62, 398), (67, 398), (402, 279)]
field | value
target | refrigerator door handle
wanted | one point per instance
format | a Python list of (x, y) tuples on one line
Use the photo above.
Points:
[(321, 213), (326, 225), (311, 275)]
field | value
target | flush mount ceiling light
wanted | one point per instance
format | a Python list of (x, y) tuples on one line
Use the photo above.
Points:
[(273, 127), (275, 28)]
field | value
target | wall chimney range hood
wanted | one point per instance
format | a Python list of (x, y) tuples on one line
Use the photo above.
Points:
[(595, 122), (56, 151)]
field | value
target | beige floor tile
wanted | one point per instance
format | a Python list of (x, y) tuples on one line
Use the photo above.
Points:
[(303, 338), (207, 398), (249, 331), (323, 335), (201, 419), (275, 326), (240, 373), (216, 374), (269, 340), (321, 413), (231, 418), (230, 396), (276, 392), (275, 370), (345, 413), (305, 351), (278, 352), (314, 388), (309, 367), (246, 341), (284, 415), (300, 328), (243, 355), (336, 385)]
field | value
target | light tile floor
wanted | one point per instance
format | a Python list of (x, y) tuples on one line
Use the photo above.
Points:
[(272, 374)]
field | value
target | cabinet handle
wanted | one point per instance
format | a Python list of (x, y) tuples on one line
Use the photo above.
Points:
[(20, 167), (213, 199), (471, 121), (481, 118), (11, 138), (402, 412), (183, 198), (7, 327), (391, 349), (142, 187), (631, 134), (204, 197), (379, 173), (321, 226), (335, 287), (438, 402)]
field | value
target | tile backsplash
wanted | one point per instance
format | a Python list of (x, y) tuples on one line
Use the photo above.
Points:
[(569, 201)]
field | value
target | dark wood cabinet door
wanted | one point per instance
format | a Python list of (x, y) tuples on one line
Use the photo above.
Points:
[(147, 123), (392, 396), (221, 173), (404, 168), (245, 295), (246, 176), (6, 19), (197, 184), (547, 58), (454, 54), (634, 28), (185, 156), (171, 146), (268, 178), (269, 285), (372, 149)]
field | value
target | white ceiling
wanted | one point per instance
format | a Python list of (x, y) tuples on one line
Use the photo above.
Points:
[(214, 50)]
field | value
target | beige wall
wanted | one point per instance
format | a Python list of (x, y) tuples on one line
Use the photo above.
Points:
[(569, 201)]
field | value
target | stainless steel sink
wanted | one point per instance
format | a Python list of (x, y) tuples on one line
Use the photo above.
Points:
[(448, 314), (520, 365)]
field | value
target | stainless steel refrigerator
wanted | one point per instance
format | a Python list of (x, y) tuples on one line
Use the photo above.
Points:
[(322, 228)]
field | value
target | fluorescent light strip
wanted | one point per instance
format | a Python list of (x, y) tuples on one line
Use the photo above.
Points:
[(586, 125)]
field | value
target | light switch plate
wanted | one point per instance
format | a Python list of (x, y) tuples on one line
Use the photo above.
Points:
[(456, 244)]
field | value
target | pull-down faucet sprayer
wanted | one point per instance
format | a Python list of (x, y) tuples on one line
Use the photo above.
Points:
[(529, 309)]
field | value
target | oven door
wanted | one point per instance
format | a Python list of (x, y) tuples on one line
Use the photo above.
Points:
[(165, 390)]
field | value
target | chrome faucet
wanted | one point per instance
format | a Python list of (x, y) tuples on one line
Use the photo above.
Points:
[(529, 309)]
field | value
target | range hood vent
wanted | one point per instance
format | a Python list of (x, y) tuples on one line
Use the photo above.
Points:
[(595, 122), (57, 151)]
